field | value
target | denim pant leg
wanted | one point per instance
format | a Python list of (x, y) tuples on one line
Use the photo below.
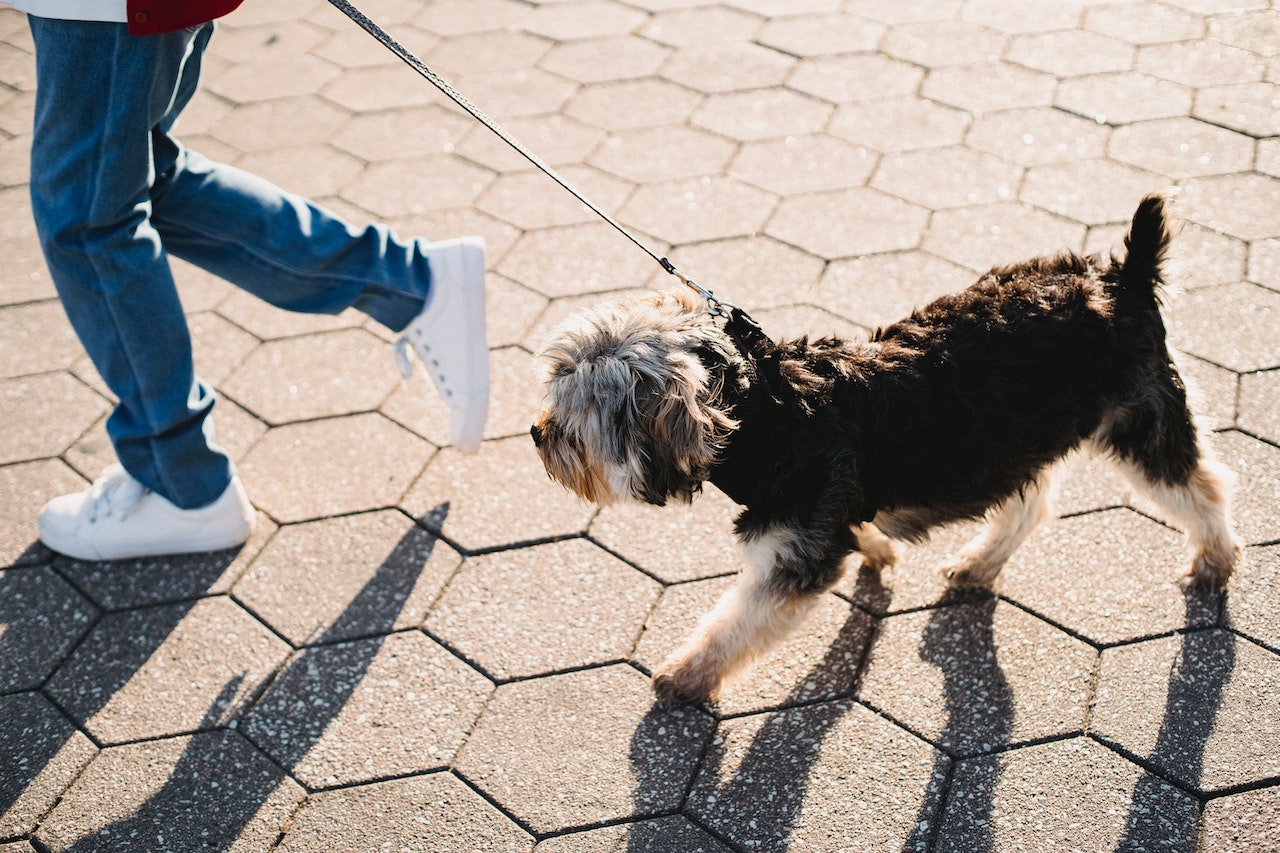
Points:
[(99, 93)]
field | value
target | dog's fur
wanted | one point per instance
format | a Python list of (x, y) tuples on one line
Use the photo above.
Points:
[(959, 411)]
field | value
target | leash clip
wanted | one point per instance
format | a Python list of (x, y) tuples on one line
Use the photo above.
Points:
[(715, 307)]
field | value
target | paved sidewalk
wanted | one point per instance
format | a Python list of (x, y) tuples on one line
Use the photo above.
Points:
[(424, 651)]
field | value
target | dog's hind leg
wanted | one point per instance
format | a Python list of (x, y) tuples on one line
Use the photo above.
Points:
[(774, 592), (1199, 503), (1007, 525)]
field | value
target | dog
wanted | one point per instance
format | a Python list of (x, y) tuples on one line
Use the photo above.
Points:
[(960, 411)]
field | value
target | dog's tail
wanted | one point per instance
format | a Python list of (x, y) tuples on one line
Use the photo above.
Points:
[(1147, 245)]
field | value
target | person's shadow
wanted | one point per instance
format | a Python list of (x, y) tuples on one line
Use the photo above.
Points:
[(193, 803)]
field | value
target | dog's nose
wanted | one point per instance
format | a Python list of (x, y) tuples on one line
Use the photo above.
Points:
[(537, 435)]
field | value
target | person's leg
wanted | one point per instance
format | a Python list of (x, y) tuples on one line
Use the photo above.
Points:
[(99, 93)]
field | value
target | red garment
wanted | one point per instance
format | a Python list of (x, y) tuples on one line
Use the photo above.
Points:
[(148, 17)]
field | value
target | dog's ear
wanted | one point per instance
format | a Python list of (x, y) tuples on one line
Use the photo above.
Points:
[(680, 430)]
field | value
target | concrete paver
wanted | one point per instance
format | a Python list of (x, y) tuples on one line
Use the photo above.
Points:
[(421, 650)]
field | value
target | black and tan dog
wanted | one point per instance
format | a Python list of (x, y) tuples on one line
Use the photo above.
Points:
[(959, 411)]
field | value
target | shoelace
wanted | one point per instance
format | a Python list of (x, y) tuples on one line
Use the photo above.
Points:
[(113, 495)]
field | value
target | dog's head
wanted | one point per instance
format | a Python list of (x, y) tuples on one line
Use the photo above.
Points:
[(630, 410)]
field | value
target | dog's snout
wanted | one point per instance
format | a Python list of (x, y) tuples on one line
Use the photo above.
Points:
[(536, 432)]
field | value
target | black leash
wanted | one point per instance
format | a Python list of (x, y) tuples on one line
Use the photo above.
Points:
[(717, 307)]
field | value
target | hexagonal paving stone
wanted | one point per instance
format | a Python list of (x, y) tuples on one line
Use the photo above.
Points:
[(755, 271), (979, 677), (531, 611), (379, 87), (1148, 23), (697, 25), (557, 139), (495, 50), (1089, 191), (43, 619), (1181, 148), (1264, 262), (1241, 204), (296, 379), (580, 20), (45, 413), (1256, 465), (880, 289), (1257, 31), (727, 67), (848, 222), (1071, 53), (1253, 596), (1230, 325), (404, 814), (422, 184), (331, 467), (584, 748), (258, 127), (1248, 107), (499, 497), (802, 164), (120, 584), (655, 154), (24, 489), (816, 35), (385, 706), (37, 338), (385, 576), (934, 44), (1109, 577), (1201, 256), (1010, 16), (209, 791), (1203, 62), (456, 17), (819, 660), (1244, 822), (41, 753), (1037, 135), (664, 833), (402, 133), (688, 211), (517, 92), (1260, 404), (899, 124), (782, 781), (676, 542), (632, 103), (576, 259), (940, 178), (899, 12), (272, 78), (599, 60), (1071, 793), (178, 668), (1121, 98), (1199, 707), (982, 237), (860, 77), (762, 114), (989, 86), (527, 200), (267, 322)]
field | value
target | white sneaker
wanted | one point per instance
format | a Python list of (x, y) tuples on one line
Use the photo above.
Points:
[(117, 518), (449, 338)]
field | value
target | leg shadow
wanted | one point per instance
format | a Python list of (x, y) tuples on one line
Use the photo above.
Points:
[(193, 803)]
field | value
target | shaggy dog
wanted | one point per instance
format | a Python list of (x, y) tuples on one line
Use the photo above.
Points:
[(960, 411)]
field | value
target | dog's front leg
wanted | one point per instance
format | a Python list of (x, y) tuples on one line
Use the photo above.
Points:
[(786, 572)]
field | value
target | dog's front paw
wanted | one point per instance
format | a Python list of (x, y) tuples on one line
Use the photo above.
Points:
[(1212, 570), (879, 557), (964, 573), (681, 680)]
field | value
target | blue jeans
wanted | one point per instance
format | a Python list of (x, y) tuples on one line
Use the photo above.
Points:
[(114, 193)]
